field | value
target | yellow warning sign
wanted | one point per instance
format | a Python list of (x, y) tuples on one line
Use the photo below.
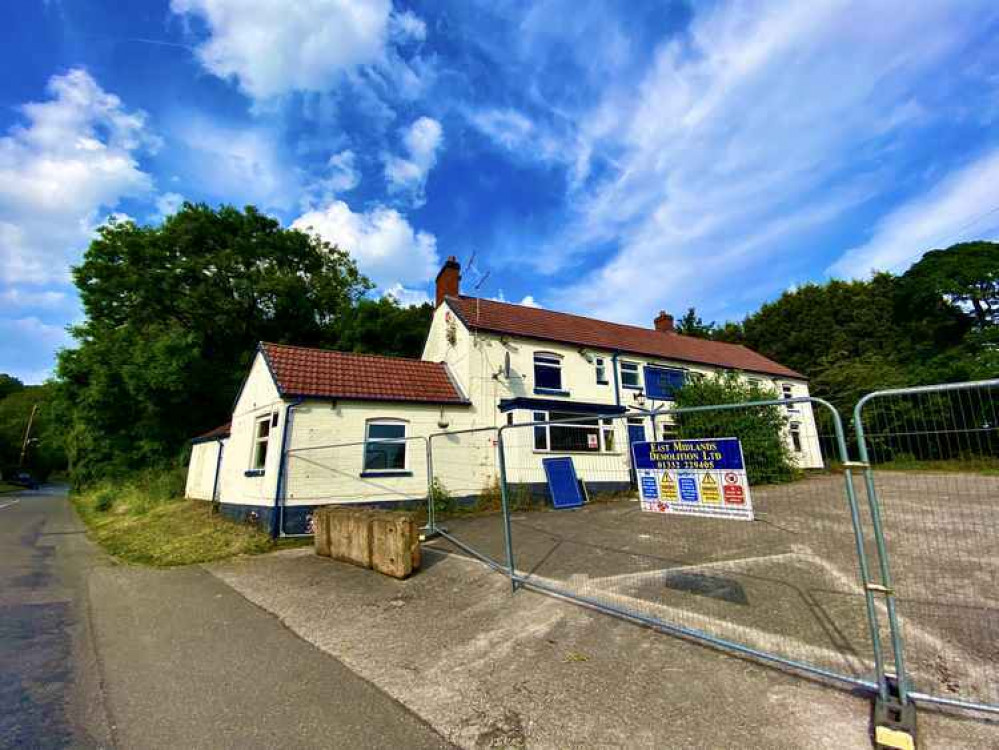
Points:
[(709, 489), (667, 487)]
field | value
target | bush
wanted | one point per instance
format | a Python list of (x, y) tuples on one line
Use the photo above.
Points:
[(760, 429), (103, 501)]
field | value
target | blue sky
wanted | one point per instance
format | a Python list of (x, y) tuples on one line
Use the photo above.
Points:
[(609, 159)]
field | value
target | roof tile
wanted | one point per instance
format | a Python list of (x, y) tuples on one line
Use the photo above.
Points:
[(322, 373), (547, 325)]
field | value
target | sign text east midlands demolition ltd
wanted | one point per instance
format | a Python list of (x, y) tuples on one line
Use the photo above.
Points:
[(693, 477)]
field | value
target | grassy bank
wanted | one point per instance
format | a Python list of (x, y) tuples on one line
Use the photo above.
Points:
[(145, 519), (5, 487)]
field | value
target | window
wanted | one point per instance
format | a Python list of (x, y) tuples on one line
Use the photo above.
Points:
[(547, 371), (796, 436), (668, 431), (541, 431), (583, 434), (629, 375), (601, 369), (385, 446), (509, 417), (787, 392), (261, 436)]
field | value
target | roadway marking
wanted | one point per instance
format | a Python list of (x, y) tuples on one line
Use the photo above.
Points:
[(7, 505)]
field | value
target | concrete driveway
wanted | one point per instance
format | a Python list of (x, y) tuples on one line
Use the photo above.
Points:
[(489, 668)]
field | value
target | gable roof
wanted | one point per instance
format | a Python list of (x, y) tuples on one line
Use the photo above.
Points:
[(219, 433), (547, 325), (323, 373)]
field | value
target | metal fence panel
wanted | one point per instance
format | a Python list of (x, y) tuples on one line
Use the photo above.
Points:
[(783, 587), (934, 491)]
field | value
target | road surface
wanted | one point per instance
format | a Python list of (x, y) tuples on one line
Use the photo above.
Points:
[(95, 655)]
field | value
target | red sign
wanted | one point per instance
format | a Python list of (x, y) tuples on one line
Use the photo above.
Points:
[(734, 494)]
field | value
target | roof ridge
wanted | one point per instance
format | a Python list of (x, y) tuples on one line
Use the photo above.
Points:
[(364, 355)]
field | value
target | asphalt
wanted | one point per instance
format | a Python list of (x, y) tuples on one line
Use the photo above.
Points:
[(95, 655)]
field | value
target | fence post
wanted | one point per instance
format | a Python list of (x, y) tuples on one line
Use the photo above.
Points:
[(504, 497), (883, 566)]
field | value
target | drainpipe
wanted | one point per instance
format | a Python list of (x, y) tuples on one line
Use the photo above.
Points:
[(617, 387), (218, 470), (277, 520)]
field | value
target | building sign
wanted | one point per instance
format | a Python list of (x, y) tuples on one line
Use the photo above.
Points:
[(704, 477)]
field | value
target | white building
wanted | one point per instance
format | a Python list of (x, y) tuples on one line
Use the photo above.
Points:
[(307, 423)]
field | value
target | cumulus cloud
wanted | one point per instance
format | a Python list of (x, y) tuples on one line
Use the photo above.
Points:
[(340, 176), (383, 243), (961, 206), (421, 142), (723, 159), (73, 158), (168, 204), (272, 47), (407, 297)]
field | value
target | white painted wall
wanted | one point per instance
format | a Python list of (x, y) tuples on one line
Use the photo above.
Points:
[(258, 398), (201, 469)]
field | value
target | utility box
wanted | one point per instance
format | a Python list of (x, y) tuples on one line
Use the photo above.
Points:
[(388, 542)]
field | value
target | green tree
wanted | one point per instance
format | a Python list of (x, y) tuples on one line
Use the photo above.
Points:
[(761, 430), (691, 324), (9, 384), (44, 453), (173, 316), (966, 275), (385, 327)]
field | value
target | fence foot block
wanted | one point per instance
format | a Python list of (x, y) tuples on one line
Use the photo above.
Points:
[(894, 724)]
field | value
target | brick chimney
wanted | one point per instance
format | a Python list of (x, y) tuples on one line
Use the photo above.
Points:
[(664, 322), (448, 280)]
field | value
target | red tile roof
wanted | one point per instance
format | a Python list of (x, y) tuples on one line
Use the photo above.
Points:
[(535, 323), (321, 373), (222, 431)]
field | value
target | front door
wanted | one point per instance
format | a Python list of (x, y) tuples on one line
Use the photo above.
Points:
[(636, 434)]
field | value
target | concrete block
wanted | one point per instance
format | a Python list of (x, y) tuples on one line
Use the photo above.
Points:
[(350, 536), (321, 531), (395, 543)]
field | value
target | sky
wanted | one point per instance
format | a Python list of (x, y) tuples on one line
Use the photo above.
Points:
[(609, 159)]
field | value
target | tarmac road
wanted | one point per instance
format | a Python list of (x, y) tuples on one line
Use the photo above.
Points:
[(94, 655)]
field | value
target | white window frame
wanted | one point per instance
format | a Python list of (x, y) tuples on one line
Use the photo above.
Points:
[(795, 433), (787, 392), (604, 426), (600, 369), (270, 422), (374, 421), (638, 374), (553, 361)]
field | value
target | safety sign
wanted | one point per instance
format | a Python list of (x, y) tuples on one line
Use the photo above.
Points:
[(702, 477)]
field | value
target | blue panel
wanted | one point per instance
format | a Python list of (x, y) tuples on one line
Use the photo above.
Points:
[(563, 483), (661, 383)]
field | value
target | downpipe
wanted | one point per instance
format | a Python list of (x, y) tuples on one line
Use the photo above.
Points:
[(277, 517)]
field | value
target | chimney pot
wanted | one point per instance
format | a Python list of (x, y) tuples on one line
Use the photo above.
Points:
[(664, 322), (448, 280)]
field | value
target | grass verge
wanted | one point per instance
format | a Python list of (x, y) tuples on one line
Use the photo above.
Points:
[(4, 488), (146, 520)]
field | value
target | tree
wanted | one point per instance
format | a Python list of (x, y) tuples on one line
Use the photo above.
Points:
[(691, 324), (760, 430), (173, 316), (45, 452), (384, 327), (9, 384), (966, 275)]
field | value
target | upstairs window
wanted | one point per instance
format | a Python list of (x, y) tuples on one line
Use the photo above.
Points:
[(787, 392), (385, 446), (601, 369), (261, 437), (630, 377), (547, 371)]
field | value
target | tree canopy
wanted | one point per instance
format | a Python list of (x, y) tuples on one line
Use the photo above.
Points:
[(174, 313)]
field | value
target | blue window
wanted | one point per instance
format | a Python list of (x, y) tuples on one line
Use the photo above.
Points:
[(548, 371), (662, 383)]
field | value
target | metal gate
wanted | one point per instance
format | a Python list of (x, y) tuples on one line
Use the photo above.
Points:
[(790, 587), (932, 481)]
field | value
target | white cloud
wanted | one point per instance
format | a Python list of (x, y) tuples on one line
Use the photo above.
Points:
[(74, 158), (407, 297), (25, 299), (168, 204), (408, 173), (745, 139), (507, 127), (272, 47), (341, 176), (963, 205), (529, 301), (383, 243)]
